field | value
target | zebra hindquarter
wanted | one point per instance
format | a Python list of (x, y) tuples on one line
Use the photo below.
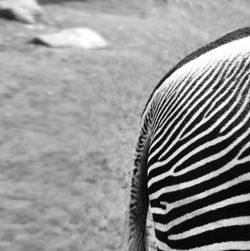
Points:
[(194, 166)]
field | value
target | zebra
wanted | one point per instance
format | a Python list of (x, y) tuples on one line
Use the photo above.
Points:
[(192, 157)]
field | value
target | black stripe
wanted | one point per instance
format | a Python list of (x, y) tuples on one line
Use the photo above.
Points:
[(228, 212), (229, 37), (234, 172), (215, 215), (240, 189), (205, 126), (209, 151), (234, 233), (179, 112)]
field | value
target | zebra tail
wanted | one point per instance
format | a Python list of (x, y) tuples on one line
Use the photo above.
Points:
[(136, 215)]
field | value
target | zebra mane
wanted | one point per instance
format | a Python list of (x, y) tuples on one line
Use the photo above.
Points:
[(227, 38)]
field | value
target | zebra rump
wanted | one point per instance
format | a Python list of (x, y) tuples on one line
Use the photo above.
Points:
[(192, 159)]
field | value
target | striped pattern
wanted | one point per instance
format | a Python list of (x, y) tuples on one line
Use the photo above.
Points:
[(198, 172)]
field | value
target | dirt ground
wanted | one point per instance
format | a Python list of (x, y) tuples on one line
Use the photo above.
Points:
[(69, 118)]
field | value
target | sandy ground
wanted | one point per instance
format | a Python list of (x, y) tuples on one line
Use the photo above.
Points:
[(69, 117)]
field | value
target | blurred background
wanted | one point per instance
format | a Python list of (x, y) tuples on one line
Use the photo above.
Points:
[(69, 117)]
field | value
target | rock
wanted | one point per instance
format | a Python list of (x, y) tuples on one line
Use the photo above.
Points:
[(26, 11), (76, 37)]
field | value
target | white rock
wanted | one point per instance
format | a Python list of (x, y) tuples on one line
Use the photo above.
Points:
[(27, 11), (76, 37)]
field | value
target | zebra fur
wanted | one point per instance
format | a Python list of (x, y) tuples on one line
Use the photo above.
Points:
[(192, 160)]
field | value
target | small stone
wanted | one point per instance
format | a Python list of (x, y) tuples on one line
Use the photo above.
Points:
[(77, 37), (26, 11)]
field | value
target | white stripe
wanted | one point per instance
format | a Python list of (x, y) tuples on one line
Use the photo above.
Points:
[(244, 148), (198, 149), (237, 221), (238, 64), (157, 210), (199, 110), (218, 97), (191, 183), (186, 101), (226, 51), (181, 121), (202, 195), (237, 245), (185, 90), (167, 90), (179, 85), (219, 139), (203, 210)]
